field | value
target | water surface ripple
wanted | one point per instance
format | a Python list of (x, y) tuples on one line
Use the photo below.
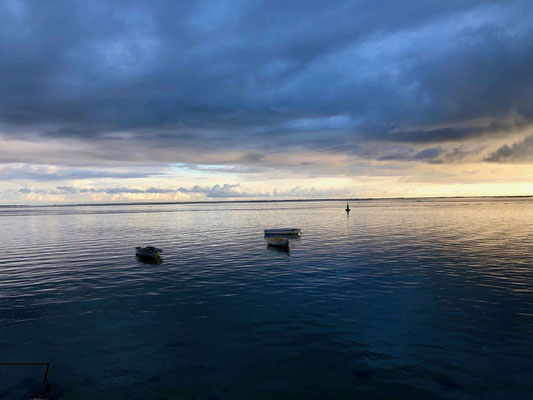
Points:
[(402, 298)]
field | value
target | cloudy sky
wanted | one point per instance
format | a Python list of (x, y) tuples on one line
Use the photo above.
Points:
[(202, 100)]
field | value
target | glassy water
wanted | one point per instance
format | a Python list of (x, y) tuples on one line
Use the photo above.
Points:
[(428, 299)]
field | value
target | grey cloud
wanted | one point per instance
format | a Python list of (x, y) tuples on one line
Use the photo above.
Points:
[(451, 134), (218, 191), (521, 151), (118, 190), (45, 173), (429, 155), (298, 191), (159, 190), (26, 190), (122, 190), (236, 169), (240, 76), (397, 157), (70, 190), (458, 154), (228, 190), (66, 189)]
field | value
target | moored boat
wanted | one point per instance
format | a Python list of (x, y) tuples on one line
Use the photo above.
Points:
[(277, 241), (148, 252), (282, 231)]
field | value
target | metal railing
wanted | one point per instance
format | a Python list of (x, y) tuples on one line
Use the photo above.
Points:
[(48, 387)]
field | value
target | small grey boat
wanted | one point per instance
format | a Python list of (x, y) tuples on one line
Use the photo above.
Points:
[(282, 231), (148, 252)]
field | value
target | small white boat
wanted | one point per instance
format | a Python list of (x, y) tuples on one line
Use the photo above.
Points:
[(148, 252), (282, 231), (277, 241)]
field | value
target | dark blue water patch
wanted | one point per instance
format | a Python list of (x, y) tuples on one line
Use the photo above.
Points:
[(363, 373), (448, 383)]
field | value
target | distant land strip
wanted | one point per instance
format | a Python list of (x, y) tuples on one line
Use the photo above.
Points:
[(144, 203)]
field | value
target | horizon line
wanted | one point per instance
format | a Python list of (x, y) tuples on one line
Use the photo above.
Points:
[(260, 201)]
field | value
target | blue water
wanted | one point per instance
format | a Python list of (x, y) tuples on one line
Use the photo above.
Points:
[(400, 299)]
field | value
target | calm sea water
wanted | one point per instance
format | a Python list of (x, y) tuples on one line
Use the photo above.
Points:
[(400, 299)]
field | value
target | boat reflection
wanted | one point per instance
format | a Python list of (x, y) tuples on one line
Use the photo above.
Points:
[(280, 249), (146, 260)]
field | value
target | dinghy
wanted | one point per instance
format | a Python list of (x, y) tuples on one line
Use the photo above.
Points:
[(148, 252), (282, 231)]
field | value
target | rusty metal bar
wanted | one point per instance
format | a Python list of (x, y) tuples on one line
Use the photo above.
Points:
[(46, 372), (31, 363), (25, 363)]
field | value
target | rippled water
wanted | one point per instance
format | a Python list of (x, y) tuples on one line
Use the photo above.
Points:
[(427, 299)]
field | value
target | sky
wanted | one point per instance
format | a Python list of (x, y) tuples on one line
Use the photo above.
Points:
[(116, 101)]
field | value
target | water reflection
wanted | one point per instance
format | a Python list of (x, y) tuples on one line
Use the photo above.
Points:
[(279, 249), (148, 260), (406, 297)]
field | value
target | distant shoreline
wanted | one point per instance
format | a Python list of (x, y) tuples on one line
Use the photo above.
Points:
[(143, 203)]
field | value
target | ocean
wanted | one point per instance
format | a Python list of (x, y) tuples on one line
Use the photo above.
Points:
[(412, 299)]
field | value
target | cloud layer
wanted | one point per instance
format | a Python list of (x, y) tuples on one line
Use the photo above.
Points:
[(225, 191), (130, 89), (521, 151)]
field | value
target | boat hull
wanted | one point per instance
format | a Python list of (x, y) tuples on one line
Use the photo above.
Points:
[(282, 231), (148, 252)]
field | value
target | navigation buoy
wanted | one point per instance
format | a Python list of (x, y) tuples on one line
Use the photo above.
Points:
[(347, 208)]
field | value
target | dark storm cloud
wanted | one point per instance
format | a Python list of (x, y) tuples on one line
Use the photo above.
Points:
[(452, 134), (264, 76), (521, 151)]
